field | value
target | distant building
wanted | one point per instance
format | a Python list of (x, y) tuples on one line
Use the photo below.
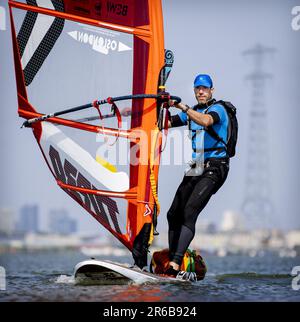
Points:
[(293, 238), (204, 226), (61, 223), (232, 221), (7, 221), (29, 219)]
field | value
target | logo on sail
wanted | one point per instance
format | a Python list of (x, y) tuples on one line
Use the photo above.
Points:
[(148, 210), (103, 45)]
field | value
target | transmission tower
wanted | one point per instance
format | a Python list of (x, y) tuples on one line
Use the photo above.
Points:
[(257, 206)]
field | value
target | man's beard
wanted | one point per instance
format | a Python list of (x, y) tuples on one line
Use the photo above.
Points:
[(204, 100)]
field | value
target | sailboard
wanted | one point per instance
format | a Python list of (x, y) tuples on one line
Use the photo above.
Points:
[(98, 272), (91, 86)]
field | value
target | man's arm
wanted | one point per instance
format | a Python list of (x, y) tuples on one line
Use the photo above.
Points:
[(205, 120)]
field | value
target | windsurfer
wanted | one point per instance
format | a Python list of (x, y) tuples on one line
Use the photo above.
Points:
[(204, 179)]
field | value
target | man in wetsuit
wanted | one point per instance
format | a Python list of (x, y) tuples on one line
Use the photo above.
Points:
[(196, 188)]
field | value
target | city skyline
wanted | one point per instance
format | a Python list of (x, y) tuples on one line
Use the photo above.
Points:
[(26, 220)]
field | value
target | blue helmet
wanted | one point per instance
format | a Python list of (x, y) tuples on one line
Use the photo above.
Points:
[(203, 80)]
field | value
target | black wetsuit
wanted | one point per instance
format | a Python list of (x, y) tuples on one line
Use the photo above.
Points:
[(191, 197)]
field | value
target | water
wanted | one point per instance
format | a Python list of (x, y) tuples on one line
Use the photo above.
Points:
[(47, 276)]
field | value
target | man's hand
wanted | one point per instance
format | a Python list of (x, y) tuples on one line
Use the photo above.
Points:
[(181, 106), (171, 103)]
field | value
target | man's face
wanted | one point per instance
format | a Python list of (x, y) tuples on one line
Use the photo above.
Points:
[(203, 94)]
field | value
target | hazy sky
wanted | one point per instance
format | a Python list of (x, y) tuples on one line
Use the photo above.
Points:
[(206, 37)]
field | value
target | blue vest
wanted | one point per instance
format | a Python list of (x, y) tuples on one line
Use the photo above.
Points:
[(200, 136)]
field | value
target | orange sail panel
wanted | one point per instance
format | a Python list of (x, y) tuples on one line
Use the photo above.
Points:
[(69, 52)]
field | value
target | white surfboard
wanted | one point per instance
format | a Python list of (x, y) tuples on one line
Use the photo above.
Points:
[(106, 272)]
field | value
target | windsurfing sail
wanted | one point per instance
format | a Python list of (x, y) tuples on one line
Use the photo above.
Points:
[(104, 156)]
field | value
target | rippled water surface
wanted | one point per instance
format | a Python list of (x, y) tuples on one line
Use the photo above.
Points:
[(47, 276)]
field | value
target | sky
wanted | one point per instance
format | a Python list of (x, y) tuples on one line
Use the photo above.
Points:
[(206, 37)]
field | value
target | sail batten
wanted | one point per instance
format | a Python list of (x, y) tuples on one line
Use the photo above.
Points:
[(142, 31)]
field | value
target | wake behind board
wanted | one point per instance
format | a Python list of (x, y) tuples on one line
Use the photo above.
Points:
[(109, 273)]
